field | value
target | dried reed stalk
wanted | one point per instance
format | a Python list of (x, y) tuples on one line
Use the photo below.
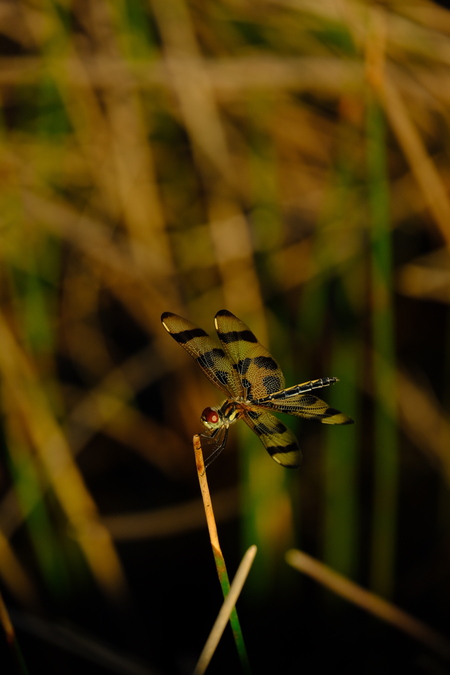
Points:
[(217, 552), (370, 602)]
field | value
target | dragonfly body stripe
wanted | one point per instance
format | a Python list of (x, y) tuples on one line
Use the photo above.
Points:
[(254, 384)]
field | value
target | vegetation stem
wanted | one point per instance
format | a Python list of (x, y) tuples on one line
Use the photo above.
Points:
[(217, 552)]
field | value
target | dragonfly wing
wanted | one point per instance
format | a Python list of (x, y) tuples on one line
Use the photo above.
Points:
[(278, 440), (258, 371), (308, 406), (207, 352)]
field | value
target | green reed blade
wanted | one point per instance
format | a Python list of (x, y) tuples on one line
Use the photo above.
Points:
[(329, 300), (341, 465), (385, 433)]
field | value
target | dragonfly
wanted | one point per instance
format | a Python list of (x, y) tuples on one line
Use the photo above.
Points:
[(254, 385)]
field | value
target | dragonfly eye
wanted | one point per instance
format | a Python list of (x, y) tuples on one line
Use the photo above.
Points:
[(210, 416)]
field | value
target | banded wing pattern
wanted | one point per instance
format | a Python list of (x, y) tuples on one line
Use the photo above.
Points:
[(254, 382), (207, 353), (278, 440), (258, 371), (260, 376)]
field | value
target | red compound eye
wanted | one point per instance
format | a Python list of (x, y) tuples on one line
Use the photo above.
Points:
[(210, 415)]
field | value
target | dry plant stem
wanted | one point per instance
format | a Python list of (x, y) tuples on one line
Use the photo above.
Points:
[(218, 556), (369, 601), (422, 166), (225, 611), (11, 639)]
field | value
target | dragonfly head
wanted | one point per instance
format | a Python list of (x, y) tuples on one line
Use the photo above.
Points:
[(211, 418)]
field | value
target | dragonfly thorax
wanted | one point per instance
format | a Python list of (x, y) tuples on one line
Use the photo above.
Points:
[(223, 416)]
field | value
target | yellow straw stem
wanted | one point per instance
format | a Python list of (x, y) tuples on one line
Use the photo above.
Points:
[(10, 637), (217, 552)]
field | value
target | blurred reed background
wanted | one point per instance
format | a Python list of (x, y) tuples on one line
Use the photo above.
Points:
[(287, 160)]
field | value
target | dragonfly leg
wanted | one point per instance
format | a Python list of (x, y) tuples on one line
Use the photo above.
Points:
[(218, 439)]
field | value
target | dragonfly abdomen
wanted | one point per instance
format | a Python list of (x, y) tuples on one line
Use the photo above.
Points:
[(298, 389)]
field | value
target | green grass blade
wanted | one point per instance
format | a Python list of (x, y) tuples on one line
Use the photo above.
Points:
[(341, 465), (385, 434)]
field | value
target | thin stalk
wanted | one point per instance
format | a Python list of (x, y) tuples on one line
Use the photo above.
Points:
[(341, 517), (386, 450), (369, 601), (225, 611), (11, 639), (217, 552)]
